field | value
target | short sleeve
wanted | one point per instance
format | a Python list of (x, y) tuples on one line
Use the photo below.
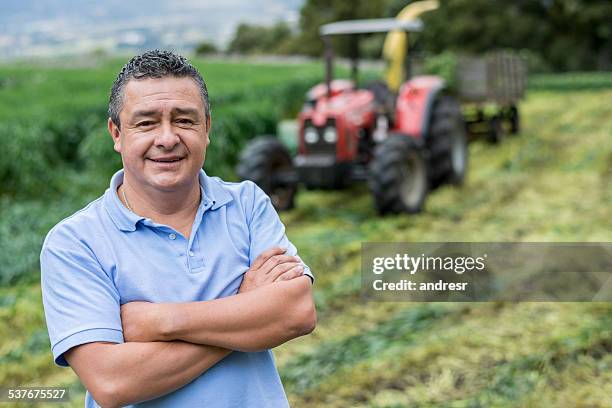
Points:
[(81, 302), (267, 230)]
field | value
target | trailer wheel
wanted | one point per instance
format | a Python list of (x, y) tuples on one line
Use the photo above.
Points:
[(447, 143), (398, 175), (515, 120), (266, 161), (496, 130)]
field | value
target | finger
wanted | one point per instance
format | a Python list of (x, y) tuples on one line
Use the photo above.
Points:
[(267, 254), (291, 274), (276, 260), (280, 269)]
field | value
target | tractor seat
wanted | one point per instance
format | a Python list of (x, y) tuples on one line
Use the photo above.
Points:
[(383, 97)]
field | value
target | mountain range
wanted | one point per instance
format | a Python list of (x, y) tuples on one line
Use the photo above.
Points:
[(57, 27)]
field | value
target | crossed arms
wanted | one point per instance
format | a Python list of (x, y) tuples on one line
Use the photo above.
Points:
[(169, 345)]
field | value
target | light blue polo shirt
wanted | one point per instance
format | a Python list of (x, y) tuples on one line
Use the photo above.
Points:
[(104, 256)]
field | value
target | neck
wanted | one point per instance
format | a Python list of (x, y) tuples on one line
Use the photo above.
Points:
[(176, 208)]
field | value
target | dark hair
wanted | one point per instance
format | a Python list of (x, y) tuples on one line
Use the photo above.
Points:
[(154, 64)]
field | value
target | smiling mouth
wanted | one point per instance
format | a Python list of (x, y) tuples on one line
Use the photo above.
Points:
[(169, 160)]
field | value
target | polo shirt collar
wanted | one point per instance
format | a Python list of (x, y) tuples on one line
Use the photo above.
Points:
[(212, 194), (213, 191)]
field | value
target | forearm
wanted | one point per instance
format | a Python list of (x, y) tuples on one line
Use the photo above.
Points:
[(132, 372), (251, 321), (157, 368)]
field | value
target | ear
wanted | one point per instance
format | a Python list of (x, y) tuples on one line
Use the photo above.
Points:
[(208, 123), (115, 133), (208, 127)]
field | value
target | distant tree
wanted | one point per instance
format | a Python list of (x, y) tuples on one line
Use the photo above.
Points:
[(249, 39), (562, 34), (580, 34), (246, 38), (205, 48), (483, 25), (567, 34), (276, 35), (315, 13)]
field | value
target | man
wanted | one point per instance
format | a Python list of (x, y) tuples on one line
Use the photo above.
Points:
[(172, 287)]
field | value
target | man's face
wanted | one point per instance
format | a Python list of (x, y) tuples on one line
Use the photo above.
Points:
[(164, 134)]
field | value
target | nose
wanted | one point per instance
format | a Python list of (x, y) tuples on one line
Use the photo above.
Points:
[(166, 139)]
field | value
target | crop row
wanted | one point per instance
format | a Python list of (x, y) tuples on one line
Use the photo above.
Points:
[(78, 139)]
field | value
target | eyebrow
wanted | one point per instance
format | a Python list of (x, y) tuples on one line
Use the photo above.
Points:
[(187, 111), (175, 111), (145, 113)]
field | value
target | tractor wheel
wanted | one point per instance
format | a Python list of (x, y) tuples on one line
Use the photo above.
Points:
[(514, 119), (267, 162), (447, 143), (398, 175)]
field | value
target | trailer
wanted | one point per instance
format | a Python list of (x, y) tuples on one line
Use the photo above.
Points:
[(490, 88)]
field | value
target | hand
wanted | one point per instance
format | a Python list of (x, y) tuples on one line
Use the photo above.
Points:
[(142, 321), (271, 266)]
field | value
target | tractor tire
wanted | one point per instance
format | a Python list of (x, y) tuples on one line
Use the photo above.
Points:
[(447, 143), (398, 175), (266, 162)]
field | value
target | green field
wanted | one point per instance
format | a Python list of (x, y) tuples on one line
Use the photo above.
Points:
[(551, 183)]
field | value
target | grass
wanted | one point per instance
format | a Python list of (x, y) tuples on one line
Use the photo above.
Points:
[(468, 359), (27, 91), (574, 81), (551, 183)]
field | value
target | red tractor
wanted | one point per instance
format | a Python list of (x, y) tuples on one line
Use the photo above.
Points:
[(402, 143)]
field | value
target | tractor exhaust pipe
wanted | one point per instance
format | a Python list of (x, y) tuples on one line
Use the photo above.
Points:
[(329, 68)]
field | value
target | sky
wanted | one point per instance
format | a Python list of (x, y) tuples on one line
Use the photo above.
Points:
[(50, 27)]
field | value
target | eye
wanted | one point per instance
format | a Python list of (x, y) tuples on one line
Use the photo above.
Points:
[(184, 121), (145, 123)]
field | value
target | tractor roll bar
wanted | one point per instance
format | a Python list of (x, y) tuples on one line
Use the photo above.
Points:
[(356, 27), (378, 25)]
